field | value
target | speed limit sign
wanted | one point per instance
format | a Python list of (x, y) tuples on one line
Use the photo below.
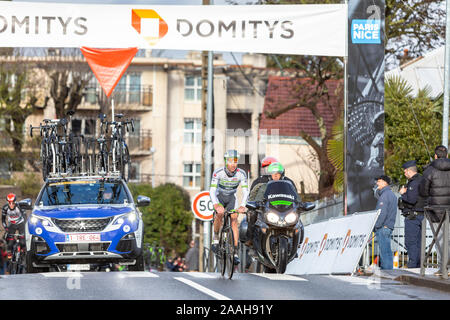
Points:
[(202, 206)]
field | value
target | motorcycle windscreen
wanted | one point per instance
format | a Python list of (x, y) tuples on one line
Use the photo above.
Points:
[(281, 195)]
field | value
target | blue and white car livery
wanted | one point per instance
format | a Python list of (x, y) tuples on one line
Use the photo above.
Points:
[(85, 221)]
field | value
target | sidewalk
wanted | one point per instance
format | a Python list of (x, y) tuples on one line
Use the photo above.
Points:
[(413, 277)]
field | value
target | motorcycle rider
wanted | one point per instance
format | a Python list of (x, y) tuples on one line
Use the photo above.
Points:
[(13, 219), (275, 172), (224, 184)]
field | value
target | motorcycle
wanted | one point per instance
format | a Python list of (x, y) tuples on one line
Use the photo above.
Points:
[(278, 230)]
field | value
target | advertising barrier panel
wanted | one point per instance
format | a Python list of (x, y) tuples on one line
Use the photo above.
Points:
[(283, 29), (334, 246)]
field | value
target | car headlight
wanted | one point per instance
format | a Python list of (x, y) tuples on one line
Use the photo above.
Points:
[(34, 219), (272, 217), (132, 216), (291, 218)]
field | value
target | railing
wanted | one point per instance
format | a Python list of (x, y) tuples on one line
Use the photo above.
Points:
[(139, 141), (122, 95)]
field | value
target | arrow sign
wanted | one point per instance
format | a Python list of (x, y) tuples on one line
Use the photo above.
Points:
[(202, 206)]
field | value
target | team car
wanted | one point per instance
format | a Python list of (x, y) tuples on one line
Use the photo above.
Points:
[(80, 223)]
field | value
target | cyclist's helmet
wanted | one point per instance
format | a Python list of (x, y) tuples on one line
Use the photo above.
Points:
[(11, 198), (276, 167), (230, 155), (267, 161)]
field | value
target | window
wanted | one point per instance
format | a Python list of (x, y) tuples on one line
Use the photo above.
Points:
[(83, 126), (192, 131), (135, 171), (128, 89), (191, 175), (193, 88)]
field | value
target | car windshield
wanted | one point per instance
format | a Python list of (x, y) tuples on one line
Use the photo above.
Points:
[(84, 192), (280, 193)]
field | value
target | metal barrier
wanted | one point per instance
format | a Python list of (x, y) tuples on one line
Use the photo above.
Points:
[(442, 245), (397, 245)]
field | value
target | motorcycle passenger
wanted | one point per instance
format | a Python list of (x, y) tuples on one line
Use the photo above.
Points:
[(13, 219), (224, 184), (264, 177), (275, 172)]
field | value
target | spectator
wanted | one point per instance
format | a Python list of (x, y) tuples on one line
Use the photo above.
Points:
[(435, 187), (411, 204), (178, 265), (3, 256), (169, 264), (387, 202), (192, 257)]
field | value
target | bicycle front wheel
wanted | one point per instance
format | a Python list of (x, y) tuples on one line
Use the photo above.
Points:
[(229, 249)]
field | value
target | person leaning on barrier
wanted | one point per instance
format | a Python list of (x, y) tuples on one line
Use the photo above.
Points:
[(387, 203), (411, 204), (435, 187)]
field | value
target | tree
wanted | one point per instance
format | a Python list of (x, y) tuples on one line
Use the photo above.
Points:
[(18, 100), (167, 220), (68, 75), (309, 94), (412, 126)]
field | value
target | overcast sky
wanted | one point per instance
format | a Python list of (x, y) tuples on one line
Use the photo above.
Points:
[(175, 54)]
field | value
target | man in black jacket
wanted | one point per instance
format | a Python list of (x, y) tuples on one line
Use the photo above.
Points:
[(436, 187), (411, 204)]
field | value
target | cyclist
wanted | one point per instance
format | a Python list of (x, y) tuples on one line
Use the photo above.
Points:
[(275, 171), (13, 219), (224, 184)]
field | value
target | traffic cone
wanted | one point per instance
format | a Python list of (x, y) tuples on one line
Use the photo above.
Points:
[(396, 261), (374, 266)]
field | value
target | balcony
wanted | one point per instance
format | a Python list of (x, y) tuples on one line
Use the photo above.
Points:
[(130, 97), (139, 143)]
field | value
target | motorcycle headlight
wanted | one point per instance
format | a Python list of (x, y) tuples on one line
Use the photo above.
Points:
[(291, 218), (272, 217)]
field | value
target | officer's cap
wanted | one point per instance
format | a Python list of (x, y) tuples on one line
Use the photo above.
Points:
[(409, 164)]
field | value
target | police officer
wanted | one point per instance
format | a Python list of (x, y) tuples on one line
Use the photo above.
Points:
[(411, 204)]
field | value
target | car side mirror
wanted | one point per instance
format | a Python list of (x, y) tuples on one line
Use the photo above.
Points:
[(25, 204), (143, 201), (307, 206)]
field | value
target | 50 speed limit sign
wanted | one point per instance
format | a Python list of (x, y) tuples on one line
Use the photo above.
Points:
[(202, 206)]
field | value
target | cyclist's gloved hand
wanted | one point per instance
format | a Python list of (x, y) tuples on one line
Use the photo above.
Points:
[(219, 208), (242, 209)]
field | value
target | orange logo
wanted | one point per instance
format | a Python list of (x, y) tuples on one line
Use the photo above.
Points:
[(302, 250), (149, 24), (347, 238), (322, 244)]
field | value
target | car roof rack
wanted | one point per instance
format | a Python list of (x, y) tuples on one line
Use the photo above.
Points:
[(63, 176)]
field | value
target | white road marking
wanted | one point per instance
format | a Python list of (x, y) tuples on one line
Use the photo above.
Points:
[(276, 276), (358, 281), (203, 289), (129, 274), (200, 275), (62, 275)]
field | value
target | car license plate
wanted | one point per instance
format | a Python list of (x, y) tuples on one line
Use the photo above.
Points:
[(85, 237), (78, 267)]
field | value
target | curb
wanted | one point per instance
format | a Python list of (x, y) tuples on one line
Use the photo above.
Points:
[(429, 283)]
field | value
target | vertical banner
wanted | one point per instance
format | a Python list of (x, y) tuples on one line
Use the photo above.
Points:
[(365, 114)]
